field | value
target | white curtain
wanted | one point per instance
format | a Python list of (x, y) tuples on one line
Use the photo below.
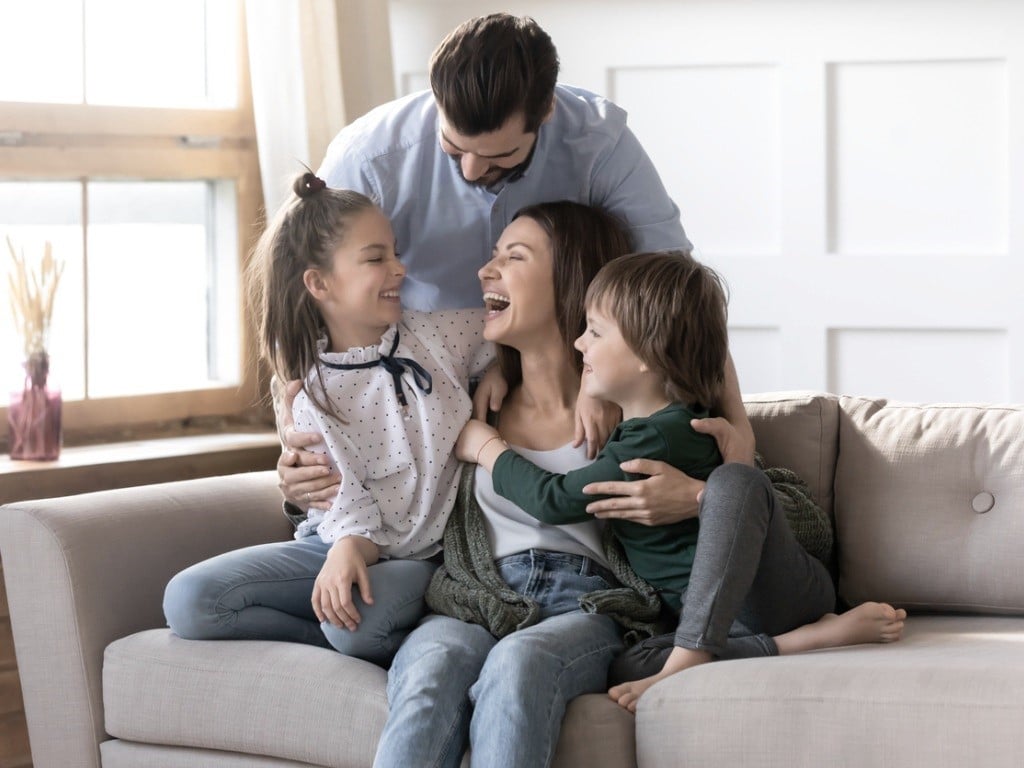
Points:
[(314, 65), (296, 87)]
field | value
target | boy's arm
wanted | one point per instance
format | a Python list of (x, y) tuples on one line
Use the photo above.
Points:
[(555, 498)]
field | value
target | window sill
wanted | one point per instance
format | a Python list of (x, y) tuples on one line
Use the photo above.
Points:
[(138, 462)]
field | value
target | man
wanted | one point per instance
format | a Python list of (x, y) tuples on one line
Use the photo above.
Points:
[(451, 166)]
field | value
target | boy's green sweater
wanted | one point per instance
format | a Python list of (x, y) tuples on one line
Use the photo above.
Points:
[(662, 555)]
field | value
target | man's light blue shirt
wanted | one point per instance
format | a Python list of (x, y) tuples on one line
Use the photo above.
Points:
[(446, 227)]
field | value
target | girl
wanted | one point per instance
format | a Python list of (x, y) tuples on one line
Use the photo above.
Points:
[(387, 394)]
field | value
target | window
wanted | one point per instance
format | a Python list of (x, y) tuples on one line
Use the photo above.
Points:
[(133, 152)]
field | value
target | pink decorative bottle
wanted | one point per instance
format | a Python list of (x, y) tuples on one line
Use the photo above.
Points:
[(34, 415)]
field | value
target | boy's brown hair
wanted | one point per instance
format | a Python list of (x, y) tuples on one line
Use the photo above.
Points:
[(672, 312), (491, 67)]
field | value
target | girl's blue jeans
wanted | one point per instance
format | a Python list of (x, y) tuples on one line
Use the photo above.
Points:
[(453, 685), (264, 593)]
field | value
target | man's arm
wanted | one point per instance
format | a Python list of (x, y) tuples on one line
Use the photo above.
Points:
[(305, 478), (668, 495), (627, 184)]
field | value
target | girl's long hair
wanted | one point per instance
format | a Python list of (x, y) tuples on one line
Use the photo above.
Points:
[(304, 234), (583, 239)]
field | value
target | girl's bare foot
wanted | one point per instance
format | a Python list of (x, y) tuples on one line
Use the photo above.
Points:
[(628, 694), (866, 623)]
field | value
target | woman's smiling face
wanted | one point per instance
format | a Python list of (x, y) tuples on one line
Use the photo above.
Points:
[(517, 285)]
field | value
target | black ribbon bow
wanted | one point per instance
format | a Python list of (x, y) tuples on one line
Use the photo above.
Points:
[(395, 366)]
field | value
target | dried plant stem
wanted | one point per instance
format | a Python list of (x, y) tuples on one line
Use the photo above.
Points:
[(32, 293)]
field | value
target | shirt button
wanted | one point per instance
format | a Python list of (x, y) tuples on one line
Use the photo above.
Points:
[(983, 502)]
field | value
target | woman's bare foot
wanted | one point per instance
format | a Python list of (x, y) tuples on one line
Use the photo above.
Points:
[(866, 623), (628, 694)]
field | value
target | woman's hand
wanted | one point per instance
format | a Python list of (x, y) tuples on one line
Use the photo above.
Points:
[(306, 479), (475, 435), (735, 437), (345, 566), (665, 496), (595, 421), (490, 393)]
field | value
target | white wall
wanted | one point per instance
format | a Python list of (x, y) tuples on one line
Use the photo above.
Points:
[(854, 168)]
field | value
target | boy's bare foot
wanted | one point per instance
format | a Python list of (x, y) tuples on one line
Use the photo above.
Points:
[(628, 694), (866, 623)]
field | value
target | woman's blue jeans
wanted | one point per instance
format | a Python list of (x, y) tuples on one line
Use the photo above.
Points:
[(453, 684), (264, 593)]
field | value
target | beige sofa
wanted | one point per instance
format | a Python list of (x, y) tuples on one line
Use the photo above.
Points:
[(929, 510)]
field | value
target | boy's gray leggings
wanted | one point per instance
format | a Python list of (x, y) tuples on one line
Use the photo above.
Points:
[(751, 579)]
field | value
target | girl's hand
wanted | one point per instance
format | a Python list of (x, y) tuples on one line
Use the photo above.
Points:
[(306, 479), (474, 436), (332, 591), (490, 393), (665, 496), (595, 421)]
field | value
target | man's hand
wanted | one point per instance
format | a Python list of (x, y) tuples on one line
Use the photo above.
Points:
[(345, 566), (595, 421), (490, 393), (733, 446), (666, 496), (306, 479)]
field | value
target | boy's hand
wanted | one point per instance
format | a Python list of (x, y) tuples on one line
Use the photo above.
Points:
[(595, 421), (474, 436), (306, 479), (332, 591), (490, 393), (665, 496)]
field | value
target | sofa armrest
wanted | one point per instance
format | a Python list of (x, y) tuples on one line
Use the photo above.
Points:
[(82, 571)]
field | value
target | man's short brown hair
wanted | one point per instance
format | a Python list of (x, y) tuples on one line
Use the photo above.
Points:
[(672, 312), (491, 67)]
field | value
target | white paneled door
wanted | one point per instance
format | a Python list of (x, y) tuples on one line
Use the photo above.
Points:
[(855, 169)]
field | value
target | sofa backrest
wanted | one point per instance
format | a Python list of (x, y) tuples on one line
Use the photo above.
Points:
[(799, 431), (929, 505)]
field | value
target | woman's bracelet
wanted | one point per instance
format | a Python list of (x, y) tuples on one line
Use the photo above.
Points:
[(486, 442)]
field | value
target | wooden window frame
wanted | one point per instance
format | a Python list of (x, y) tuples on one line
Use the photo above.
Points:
[(83, 141)]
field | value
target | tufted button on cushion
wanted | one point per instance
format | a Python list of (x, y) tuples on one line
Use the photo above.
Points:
[(983, 502)]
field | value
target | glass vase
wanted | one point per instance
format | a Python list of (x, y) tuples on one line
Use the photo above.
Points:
[(34, 414)]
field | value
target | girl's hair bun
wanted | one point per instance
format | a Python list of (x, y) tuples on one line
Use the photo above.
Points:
[(308, 184)]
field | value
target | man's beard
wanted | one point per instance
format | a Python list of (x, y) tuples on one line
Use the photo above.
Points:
[(493, 175)]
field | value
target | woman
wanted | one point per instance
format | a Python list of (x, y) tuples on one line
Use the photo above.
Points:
[(453, 683)]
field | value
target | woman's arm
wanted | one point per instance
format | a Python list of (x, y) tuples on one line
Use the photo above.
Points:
[(595, 421)]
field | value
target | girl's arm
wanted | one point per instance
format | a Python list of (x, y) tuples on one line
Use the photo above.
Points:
[(345, 566), (460, 332)]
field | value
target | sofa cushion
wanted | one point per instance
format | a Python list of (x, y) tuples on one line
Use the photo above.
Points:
[(928, 505), (948, 694), (799, 431), (288, 701), (285, 700)]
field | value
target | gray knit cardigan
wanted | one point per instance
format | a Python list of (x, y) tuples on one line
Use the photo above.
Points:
[(468, 586)]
